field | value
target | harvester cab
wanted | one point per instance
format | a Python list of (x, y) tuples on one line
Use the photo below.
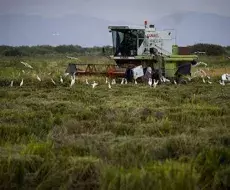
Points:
[(144, 45)]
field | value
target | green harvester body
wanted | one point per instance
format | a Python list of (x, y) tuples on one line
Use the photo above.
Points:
[(146, 46)]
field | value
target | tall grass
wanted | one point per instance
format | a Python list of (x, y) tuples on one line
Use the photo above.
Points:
[(127, 137)]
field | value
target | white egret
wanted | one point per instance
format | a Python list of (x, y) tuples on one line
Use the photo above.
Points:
[(72, 80), (150, 82), (225, 77), (113, 82), (61, 79), (165, 79), (39, 78), (94, 84), (72, 58), (53, 81), (66, 74), (155, 83), (222, 82), (21, 83), (109, 85), (11, 83), (27, 65)]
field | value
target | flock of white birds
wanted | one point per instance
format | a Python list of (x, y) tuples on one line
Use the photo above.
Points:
[(152, 83), (224, 78)]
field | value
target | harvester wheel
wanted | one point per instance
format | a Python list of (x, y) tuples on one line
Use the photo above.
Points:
[(129, 74), (180, 80), (156, 75)]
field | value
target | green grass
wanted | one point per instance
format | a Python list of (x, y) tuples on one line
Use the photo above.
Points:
[(215, 61), (127, 137)]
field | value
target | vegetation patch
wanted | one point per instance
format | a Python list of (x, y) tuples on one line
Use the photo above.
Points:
[(127, 137)]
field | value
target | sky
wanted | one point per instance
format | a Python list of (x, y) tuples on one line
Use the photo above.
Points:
[(134, 11), (65, 17)]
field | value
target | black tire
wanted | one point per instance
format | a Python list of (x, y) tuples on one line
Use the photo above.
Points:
[(129, 75), (156, 75)]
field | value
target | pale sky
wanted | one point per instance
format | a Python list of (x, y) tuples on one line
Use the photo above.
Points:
[(72, 14), (134, 11)]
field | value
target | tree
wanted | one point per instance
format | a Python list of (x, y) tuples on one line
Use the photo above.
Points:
[(209, 49)]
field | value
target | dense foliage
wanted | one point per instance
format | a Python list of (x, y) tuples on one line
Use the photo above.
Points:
[(210, 49), (48, 50)]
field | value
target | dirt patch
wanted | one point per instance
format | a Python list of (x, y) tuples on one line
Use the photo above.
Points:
[(218, 71)]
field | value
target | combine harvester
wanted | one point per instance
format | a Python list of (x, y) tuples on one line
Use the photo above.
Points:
[(137, 49)]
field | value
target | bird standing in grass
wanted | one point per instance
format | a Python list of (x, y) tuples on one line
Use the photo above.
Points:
[(11, 83), (161, 79), (109, 85), (164, 79), (66, 74), (53, 81), (225, 77), (113, 82), (155, 83), (122, 81), (189, 78), (86, 81), (39, 78), (94, 84), (222, 82), (150, 82), (61, 79), (21, 83), (72, 80), (203, 80)]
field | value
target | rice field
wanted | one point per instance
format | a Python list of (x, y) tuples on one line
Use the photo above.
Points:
[(127, 137)]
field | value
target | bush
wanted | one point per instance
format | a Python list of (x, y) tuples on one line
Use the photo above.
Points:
[(210, 49), (33, 172), (47, 50), (214, 167), (167, 175)]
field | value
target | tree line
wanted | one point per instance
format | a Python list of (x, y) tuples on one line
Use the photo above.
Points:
[(208, 49), (53, 50)]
